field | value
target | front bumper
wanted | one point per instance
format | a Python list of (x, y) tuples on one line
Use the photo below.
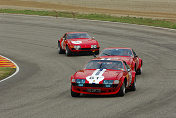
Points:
[(85, 49), (96, 89)]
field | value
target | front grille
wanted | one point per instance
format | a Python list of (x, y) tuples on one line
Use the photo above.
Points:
[(96, 85), (86, 48)]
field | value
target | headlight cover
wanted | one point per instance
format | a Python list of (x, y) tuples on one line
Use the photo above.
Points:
[(77, 47), (93, 46), (80, 82), (108, 83)]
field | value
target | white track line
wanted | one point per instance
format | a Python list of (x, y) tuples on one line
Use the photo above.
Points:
[(17, 70)]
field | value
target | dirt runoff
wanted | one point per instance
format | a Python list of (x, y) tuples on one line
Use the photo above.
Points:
[(158, 9)]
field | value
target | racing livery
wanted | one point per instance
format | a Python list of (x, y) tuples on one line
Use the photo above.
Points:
[(77, 42), (103, 77), (126, 54)]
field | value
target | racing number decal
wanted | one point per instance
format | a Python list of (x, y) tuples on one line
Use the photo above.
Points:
[(96, 77)]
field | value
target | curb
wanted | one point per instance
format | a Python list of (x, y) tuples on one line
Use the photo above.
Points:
[(12, 65)]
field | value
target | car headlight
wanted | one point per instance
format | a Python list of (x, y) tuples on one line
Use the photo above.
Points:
[(77, 47), (73, 80), (116, 82), (108, 81), (93, 46), (80, 82)]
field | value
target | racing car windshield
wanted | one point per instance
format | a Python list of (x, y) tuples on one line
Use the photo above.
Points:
[(116, 52), (105, 64), (77, 35)]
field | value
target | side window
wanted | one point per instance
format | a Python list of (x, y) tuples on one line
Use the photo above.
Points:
[(134, 52)]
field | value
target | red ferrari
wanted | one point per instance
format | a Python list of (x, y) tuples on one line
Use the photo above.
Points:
[(103, 77), (126, 54), (77, 42)]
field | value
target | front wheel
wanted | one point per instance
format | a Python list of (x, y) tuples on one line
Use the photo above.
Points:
[(121, 91), (133, 86), (139, 71), (68, 51), (74, 94), (60, 50), (96, 52)]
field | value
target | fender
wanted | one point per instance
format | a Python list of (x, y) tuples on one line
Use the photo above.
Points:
[(133, 76), (122, 80), (133, 65), (140, 63)]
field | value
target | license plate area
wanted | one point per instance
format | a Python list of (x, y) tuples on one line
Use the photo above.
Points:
[(94, 90)]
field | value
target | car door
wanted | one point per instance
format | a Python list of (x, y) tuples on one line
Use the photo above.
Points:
[(129, 74)]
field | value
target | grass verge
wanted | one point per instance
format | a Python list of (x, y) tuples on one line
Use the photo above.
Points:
[(102, 17), (5, 72)]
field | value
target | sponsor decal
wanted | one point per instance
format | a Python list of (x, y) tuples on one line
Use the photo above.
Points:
[(76, 42), (96, 77)]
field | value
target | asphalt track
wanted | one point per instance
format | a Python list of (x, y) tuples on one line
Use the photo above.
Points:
[(41, 89)]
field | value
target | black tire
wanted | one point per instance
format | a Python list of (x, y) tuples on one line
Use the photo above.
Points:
[(60, 50), (133, 86), (68, 51), (74, 94), (96, 52), (122, 90), (139, 71)]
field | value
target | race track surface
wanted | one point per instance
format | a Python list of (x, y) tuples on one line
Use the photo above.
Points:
[(41, 89)]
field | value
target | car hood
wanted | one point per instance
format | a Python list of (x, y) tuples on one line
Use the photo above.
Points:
[(106, 73), (83, 41)]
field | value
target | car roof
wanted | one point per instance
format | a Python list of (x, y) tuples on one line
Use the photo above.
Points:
[(117, 48), (75, 32)]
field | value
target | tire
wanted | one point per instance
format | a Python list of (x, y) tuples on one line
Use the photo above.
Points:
[(68, 51), (60, 50), (122, 90), (74, 94), (139, 71), (133, 86), (96, 52)]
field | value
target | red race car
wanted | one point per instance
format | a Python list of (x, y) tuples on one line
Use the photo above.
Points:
[(103, 77), (77, 42), (126, 54)]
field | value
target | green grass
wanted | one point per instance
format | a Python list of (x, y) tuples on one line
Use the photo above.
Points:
[(5, 72), (102, 17)]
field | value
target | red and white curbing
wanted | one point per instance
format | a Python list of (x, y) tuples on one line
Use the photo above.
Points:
[(6, 62)]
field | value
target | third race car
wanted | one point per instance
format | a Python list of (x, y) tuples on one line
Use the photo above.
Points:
[(77, 42)]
